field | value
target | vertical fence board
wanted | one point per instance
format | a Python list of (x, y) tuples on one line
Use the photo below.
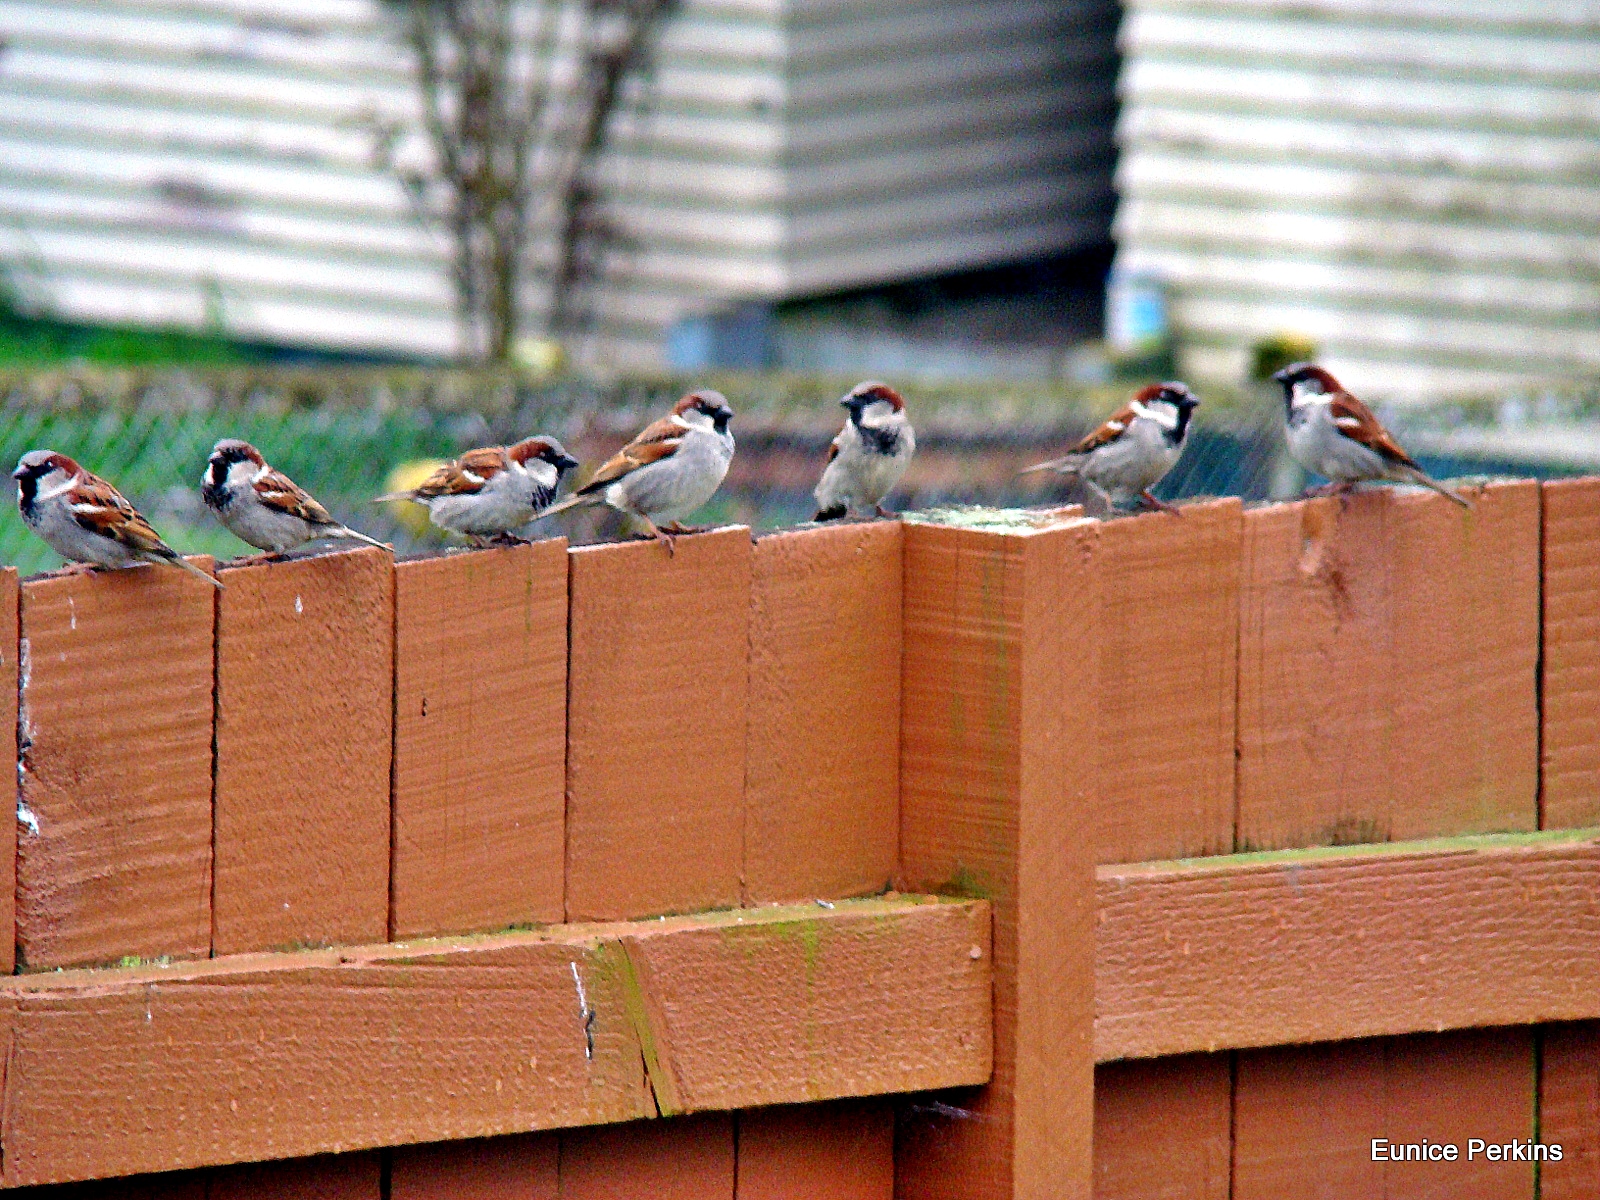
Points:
[(10, 682), (305, 677), (822, 798), (1570, 793), (1169, 591), (997, 788), (1163, 1128), (480, 739), (684, 1158), (1465, 683), (1569, 1111), (840, 1151), (659, 657), (1305, 1116), (523, 1167), (1387, 668), (326, 1177), (170, 1185), (116, 746)]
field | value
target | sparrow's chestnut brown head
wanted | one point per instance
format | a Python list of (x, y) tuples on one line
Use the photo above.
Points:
[(545, 449)]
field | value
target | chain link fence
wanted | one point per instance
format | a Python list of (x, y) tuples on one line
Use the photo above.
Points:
[(341, 433)]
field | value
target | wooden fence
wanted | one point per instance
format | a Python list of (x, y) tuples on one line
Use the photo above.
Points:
[(1222, 845)]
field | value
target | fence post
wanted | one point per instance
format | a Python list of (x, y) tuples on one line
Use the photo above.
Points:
[(305, 722), (480, 731), (1570, 662), (10, 682), (114, 855), (997, 772)]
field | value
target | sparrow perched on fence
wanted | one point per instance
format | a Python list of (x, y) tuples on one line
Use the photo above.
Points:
[(490, 491), (1135, 448), (85, 520), (1333, 434), (669, 470), (870, 454), (263, 506)]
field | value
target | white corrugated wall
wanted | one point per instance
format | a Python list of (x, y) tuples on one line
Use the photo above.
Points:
[(1413, 183), (194, 161)]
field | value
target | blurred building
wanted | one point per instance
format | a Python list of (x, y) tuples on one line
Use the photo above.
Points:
[(213, 162), (1414, 183)]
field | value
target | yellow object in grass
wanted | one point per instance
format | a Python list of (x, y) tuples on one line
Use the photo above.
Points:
[(412, 517)]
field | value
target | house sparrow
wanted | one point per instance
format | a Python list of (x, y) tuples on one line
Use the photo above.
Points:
[(1135, 448), (262, 506), (491, 491), (669, 470), (85, 520), (1333, 434), (870, 454)]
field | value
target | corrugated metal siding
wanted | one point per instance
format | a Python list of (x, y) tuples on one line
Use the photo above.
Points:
[(1414, 183), (172, 160)]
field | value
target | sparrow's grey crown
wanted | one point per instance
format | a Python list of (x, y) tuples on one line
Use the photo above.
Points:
[(35, 463), (232, 450)]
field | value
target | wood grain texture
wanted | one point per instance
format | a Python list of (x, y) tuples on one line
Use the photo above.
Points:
[(10, 683), (838, 1151), (1163, 1128), (717, 1003), (115, 735), (659, 656), (1263, 950), (686, 1158), (1570, 792), (1387, 668), (1305, 1117), (1169, 627), (520, 1167), (1569, 1110), (281, 1055), (997, 774), (480, 740), (305, 679), (822, 790)]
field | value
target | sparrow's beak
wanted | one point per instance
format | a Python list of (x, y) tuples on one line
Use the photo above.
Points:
[(19, 472), (1281, 376), (566, 462)]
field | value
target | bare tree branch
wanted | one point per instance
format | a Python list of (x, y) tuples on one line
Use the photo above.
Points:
[(509, 139)]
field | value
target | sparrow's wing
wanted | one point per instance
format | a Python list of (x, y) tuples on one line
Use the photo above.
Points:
[(281, 494), (1355, 420), (1109, 431), (464, 477), (660, 440), (100, 508)]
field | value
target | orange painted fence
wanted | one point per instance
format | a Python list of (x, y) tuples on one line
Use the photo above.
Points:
[(1376, 718)]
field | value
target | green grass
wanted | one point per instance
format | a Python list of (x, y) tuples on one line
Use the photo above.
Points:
[(39, 342)]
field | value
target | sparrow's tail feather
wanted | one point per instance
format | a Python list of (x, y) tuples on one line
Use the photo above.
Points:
[(573, 501), (345, 531), (1435, 485), (178, 560), (1063, 465)]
